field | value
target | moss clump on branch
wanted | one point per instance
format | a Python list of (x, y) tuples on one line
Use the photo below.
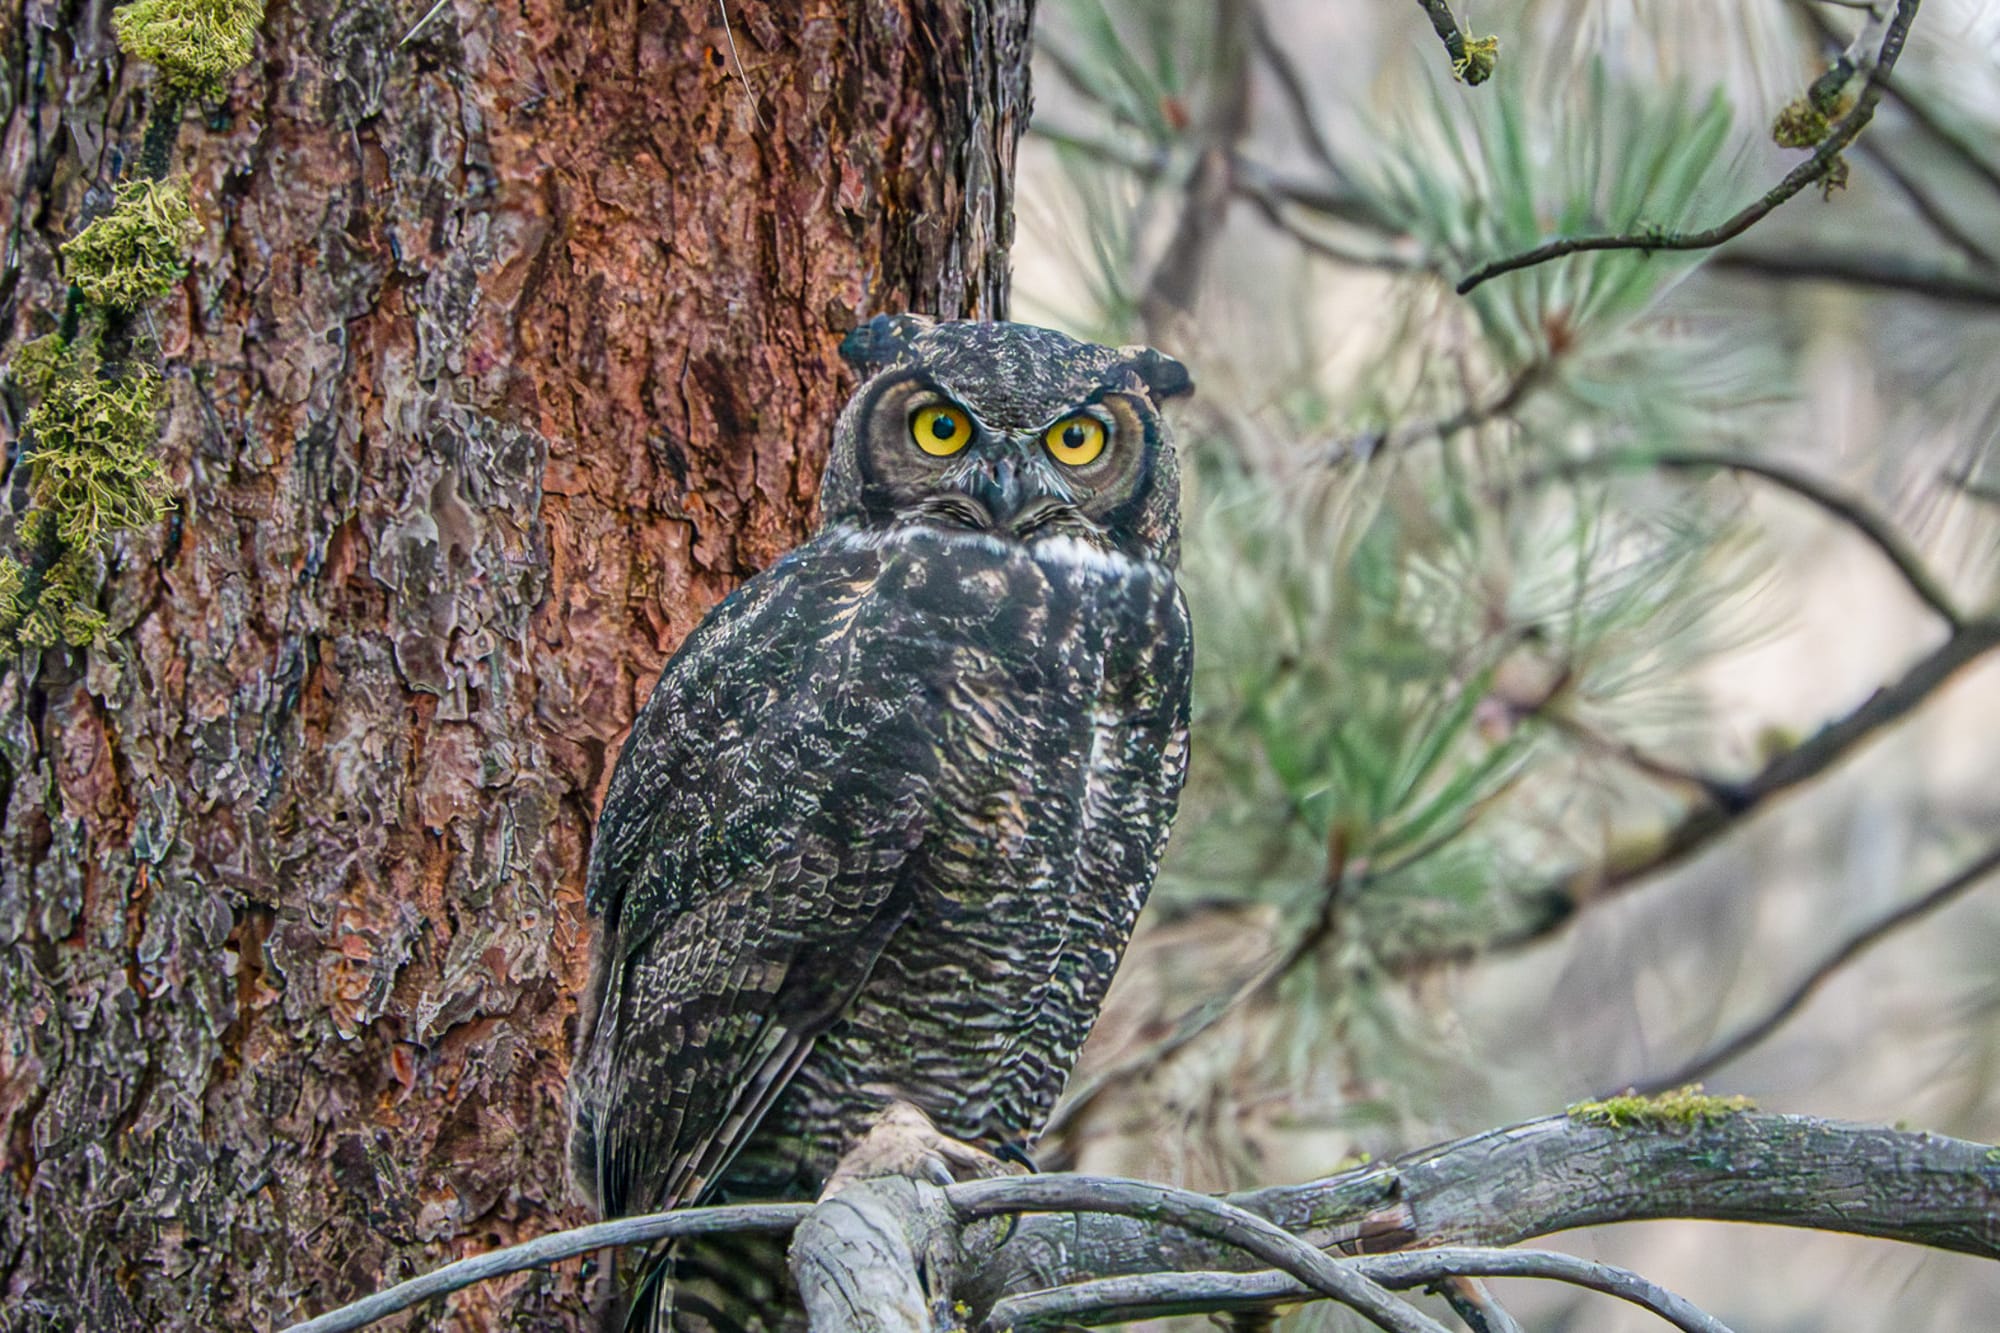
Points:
[(1476, 66), (1800, 125), (138, 250), (92, 468), (1682, 1108), (195, 43)]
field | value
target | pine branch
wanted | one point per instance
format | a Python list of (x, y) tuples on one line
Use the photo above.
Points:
[(1471, 58), (1815, 168), (1550, 908)]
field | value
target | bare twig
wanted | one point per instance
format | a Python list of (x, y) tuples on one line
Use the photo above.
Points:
[(1890, 922), (422, 23), (545, 1250), (1804, 174), (1849, 509), (1297, 96), (1928, 208), (1204, 1216), (1170, 290), (1158, 1295), (1246, 173), (749, 93), (1887, 272), (1520, 386)]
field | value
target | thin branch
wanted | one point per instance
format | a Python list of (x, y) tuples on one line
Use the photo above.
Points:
[(1888, 924), (749, 93), (1161, 1295), (1271, 207), (1814, 168), (1204, 1216), (1887, 272), (1297, 96), (1176, 278), (1203, 1018), (1929, 209), (1551, 907), (545, 1250), (1849, 509), (1519, 387)]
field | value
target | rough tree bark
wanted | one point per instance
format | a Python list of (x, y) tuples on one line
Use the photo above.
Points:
[(506, 353)]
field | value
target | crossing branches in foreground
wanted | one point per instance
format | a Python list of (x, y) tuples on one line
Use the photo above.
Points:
[(901, 1255)]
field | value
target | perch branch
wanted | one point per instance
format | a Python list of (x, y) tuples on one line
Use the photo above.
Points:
[(1804, 174), (1511, 1185), (1160, 1295), (1497, 1188), (546, 1250), (1212, 1218)]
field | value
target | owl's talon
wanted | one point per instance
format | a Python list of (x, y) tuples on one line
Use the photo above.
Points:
[(904, 1142)]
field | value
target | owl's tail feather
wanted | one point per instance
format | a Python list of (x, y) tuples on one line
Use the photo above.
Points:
[(718, 1284)]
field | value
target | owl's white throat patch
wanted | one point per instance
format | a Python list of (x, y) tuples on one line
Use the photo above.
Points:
[(1057, 551), (1069, 551)]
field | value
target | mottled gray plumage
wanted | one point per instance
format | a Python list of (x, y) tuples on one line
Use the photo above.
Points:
[(885, 823)]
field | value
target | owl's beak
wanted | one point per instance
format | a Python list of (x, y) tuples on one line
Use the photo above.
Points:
[(996, 484)]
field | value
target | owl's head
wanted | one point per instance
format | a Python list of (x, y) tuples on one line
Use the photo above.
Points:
[(1019, 431)]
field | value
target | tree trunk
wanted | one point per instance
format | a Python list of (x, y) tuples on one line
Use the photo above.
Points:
[(507, 351)]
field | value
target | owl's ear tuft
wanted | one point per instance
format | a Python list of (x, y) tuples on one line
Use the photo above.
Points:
[(883, 339), (1163, 376)]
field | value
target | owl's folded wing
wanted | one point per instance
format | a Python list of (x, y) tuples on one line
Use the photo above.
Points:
[(747, 870)]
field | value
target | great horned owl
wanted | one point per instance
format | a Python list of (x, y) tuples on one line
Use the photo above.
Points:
[(883, 827)]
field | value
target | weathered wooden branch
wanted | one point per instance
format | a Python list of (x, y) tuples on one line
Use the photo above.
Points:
[(908, 1255), (1511, 1185)]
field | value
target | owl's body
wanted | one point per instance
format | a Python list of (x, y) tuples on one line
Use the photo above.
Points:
[(884, 826)]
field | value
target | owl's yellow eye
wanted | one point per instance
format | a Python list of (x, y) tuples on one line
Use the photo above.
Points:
[(940, 431), (1075, 440)]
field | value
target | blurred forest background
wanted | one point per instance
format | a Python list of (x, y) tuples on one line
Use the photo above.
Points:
[(1511, 607), (1597, 674)]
